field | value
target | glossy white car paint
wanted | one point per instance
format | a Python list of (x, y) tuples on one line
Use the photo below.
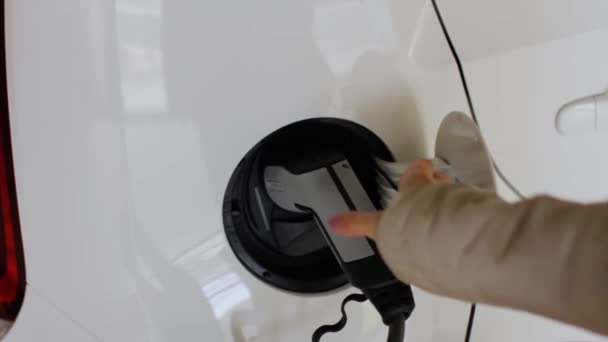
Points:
[(129, 116)]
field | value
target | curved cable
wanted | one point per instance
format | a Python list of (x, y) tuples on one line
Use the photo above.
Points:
[(396, 329), (474, 117), (467, 94), (322, 330)]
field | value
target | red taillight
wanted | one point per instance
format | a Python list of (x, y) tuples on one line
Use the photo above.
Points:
[(12, 283), (12, 268)]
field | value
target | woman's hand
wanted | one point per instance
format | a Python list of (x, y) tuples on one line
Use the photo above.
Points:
[(358, 223)]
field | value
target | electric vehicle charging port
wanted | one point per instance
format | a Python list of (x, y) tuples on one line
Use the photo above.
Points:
[(286, 249)]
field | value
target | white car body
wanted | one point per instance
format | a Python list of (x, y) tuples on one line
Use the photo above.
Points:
[(129, 116)]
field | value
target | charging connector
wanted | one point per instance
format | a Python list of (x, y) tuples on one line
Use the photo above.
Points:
[(323, 193)]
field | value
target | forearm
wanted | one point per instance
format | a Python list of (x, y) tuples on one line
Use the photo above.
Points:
[(542, 255)]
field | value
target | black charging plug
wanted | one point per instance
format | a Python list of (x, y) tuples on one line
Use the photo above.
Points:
[(325, 192)]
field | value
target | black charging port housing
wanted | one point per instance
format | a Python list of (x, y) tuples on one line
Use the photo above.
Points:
[(286, 249)]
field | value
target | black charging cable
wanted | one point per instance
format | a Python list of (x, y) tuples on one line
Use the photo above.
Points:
[(467, 94), (499, 172), (396, 331), (395, 303)]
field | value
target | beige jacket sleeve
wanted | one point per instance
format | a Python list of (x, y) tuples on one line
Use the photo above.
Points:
[(541, 255)]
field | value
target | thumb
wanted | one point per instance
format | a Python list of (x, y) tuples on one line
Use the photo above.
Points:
[(356, 223)]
